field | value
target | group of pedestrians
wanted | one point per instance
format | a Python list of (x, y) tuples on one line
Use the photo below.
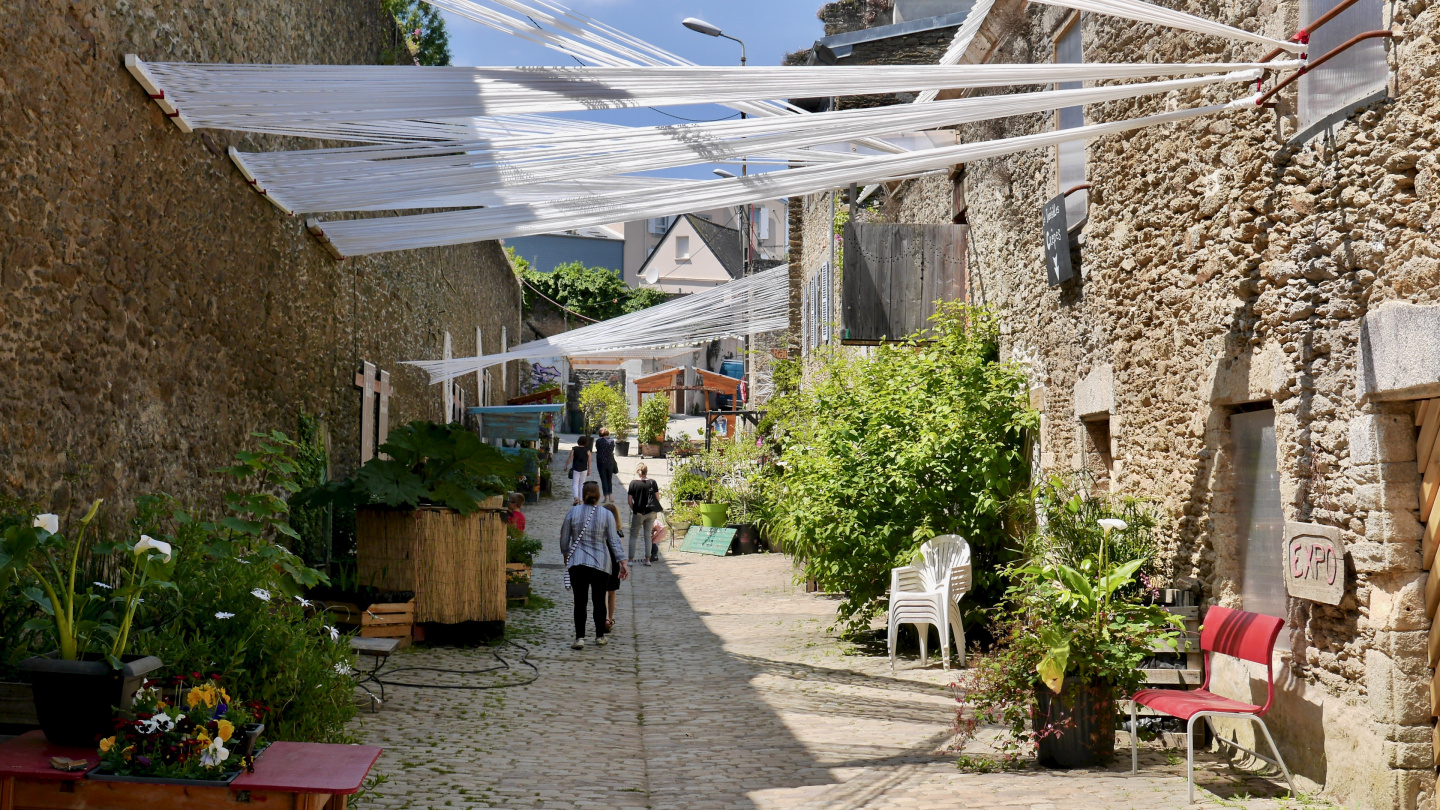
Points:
[(595, 563)]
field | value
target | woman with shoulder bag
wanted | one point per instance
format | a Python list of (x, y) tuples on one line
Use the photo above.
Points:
[(590, 544)]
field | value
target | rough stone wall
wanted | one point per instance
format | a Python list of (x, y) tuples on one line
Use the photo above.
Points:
[(154, 310), (1220, 267)]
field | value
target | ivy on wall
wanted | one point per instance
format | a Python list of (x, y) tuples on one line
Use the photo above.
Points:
[(592, 292)]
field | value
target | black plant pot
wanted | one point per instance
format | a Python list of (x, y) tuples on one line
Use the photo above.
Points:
[(623, 447), (1080, 721), (747, 540), (75, 701), (250, 734)]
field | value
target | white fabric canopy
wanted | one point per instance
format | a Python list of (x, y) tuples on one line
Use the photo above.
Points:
[(1158, 15), (454, 174), (364, 236), (964, 35), (257, 98), (759, 303)]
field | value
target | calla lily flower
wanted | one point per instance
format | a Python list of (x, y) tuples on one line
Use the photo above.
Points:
[(48, 522), (1112, 523), (148, 543), (261, 594)]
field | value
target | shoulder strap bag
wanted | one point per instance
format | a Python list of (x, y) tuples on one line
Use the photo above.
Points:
[(584, 529)]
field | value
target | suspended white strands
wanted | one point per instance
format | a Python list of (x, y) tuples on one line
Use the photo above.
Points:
[(252, 97), (364, 236), (964, 35), (1158, 15), (748, 306), (436, 175)]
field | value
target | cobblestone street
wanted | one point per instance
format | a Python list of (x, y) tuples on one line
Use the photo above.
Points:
[(721, 689)]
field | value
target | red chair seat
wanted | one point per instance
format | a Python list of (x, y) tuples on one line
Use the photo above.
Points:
[(1186, 705)]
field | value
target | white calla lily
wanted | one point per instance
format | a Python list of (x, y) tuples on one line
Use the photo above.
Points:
[(1115, 524), (148, 543), (261, 594), (48, 522)]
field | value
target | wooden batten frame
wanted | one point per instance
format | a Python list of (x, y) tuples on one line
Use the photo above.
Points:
[(313, 226), (142, 75), (1427, 420), (239, 160)]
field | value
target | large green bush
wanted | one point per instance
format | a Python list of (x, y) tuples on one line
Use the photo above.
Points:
[(593, 292), (605, 406), (885, 450), (654, 417)]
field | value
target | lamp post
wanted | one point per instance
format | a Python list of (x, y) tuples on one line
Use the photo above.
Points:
[(699, 26)]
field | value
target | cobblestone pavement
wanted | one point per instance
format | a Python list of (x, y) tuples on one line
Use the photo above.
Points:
[(721, 688)]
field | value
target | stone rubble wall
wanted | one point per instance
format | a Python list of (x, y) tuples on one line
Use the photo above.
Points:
[(153, 309), (1222, 267)]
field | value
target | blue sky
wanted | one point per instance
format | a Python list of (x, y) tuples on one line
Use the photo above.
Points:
[(770, 29)]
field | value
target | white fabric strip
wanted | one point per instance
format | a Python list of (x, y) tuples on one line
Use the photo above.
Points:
[(747, 306), (443, 175), (364, 236), (964, 35), (1158, 15), (250, 97)]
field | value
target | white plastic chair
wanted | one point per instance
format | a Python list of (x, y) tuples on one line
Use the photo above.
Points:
[(929, 594)]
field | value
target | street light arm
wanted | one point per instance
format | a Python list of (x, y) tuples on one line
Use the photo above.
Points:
[(742, 46)]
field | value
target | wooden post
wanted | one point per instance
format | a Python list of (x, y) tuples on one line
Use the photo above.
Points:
[(382, 387), (504, 347), (480, 372), (367, 411)]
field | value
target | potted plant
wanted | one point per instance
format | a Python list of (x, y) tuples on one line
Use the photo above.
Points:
[(206, 738), (520, 551), (654, 416), (427, 520), (77, 685), (1068, 648)]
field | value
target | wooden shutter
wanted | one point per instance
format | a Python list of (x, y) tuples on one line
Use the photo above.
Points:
[(805, 318), (825, 293)]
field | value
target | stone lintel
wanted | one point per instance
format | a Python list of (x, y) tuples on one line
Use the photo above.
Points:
[(1095, 395), (1400, 352)]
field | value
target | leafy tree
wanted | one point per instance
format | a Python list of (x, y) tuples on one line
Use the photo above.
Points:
[(644, 298), (426, 40), (594, 292), (886, 450)]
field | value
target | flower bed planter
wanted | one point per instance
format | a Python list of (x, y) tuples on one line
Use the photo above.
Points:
[(103, 774), (454, 563), (1083, 717), (652, 450), (376, 619), (517, 582), (75, 700)]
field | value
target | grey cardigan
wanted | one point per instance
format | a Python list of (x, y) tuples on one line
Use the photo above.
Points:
[(589, 550)]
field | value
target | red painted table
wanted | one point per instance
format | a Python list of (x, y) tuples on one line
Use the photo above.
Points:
[(288, 776)]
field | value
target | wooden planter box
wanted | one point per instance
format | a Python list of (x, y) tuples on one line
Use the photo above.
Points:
[(517, 582), (17, 705), (380, 620), (455, 564)]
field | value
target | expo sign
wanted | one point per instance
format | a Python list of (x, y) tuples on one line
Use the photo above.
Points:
[(1314, 564)]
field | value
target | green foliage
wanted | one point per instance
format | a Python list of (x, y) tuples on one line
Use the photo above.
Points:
[(1067, 528), (731, 472), (605, 406), (594, 292), (427, 464), (884, 451), (426, 42), (520, 547), (266, 649), (312, 467), (654, 417)]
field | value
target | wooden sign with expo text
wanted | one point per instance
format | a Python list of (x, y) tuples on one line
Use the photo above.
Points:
[(1314, 563)]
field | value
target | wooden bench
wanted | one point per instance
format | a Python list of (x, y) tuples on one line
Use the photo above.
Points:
[(288, 776)]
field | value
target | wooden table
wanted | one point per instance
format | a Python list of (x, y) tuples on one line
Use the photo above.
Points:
[(288, 776)]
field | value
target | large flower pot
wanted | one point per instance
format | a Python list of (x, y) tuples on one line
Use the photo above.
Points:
[(1076, 727), (622, 447), (75, 701), (747, 540), (652, 450), (712, 515)]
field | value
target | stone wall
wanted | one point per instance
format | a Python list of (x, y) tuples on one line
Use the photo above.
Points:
[(153, 309), (1222, 267)]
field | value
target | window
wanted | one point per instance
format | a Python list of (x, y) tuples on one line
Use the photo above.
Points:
[(1259, 518), (658, 225), (1354, 76), (1099, 459), (762, 219), (682, 247), (1071, 154)]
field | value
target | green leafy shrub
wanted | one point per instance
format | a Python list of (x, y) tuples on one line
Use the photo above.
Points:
[(428, 464), (424, 39), (597, 293), (520, 547), (604, 406), (1067, 524), (653, 419), (312, 467), (883, 451)]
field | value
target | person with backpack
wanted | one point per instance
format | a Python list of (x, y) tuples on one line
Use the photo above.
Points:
[(644, 508), (590, 545)]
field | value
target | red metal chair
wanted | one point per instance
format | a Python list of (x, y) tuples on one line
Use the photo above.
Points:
[(1236, 633)]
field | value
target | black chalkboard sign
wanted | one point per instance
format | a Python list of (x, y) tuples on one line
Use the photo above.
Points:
[(1057, 242)]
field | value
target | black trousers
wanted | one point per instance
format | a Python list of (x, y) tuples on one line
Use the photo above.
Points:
[(607, 483), (585, 580)]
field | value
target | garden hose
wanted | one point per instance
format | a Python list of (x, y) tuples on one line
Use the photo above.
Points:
[(504, 665)]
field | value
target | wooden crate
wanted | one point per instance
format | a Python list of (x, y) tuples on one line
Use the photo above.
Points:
[(380, 620)]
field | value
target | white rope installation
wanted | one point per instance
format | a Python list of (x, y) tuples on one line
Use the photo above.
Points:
[(758, 303), (364, 236), (961, 42), (256, 98), (1140, 11), (454, 174)]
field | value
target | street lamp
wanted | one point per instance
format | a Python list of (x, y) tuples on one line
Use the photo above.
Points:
[(699, 26), (724, 174)]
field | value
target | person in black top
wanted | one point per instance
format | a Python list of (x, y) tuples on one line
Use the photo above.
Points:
[(580, 464), (605, 462), (644, 508)]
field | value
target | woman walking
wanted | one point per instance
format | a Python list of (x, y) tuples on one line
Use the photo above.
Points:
[(614, 581), (644, 508), (590, 544), (605, 462), (580, 464)]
